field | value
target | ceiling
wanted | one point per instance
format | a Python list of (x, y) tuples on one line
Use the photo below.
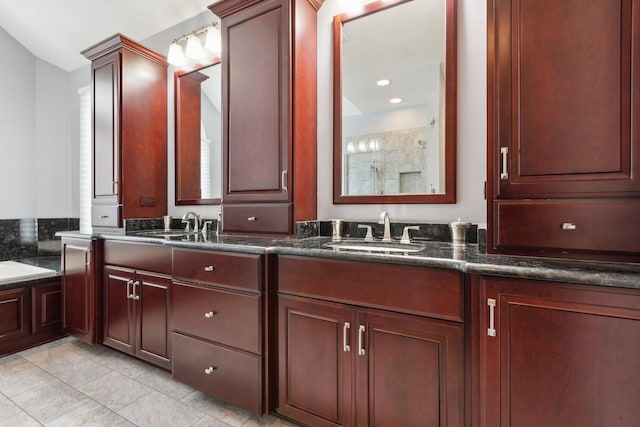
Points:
[(56, 31)]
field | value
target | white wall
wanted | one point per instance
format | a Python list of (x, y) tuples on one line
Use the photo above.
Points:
[(471, 123)]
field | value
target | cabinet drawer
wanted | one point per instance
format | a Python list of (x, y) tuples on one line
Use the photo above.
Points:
[(232, 376), (237, 270), (415, 290), (138, 256), (592, 225), (217, 315), (106, 216), (259, 218)]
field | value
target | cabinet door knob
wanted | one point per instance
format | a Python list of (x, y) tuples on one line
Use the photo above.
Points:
[(252, 218), (568, 226), (208, 268), (210, 370), (209, 314)]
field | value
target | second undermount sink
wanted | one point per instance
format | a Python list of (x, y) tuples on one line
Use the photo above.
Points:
[(375, 246)]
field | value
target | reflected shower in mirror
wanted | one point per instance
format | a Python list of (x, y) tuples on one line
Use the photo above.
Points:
[(394, 103), (198, 96)]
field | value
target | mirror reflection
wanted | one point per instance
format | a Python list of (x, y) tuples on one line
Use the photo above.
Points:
[(199, 136), (392, 137)]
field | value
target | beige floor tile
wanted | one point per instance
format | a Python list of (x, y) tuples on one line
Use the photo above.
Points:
[(22, 419), (209, 421), (161, 381), (91, 414), (123, 363), (20, 375), (7, 408), (114, 390), (50, 401), (92, 351), (157, 410), (268, 421), (231, 415)]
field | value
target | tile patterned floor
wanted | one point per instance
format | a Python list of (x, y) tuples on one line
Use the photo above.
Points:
[(69, 383)]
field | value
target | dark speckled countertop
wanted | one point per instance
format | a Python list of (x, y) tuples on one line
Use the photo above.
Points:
[(435, 254)]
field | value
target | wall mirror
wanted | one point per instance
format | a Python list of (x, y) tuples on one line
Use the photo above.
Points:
[(395, 103), (198, 111)]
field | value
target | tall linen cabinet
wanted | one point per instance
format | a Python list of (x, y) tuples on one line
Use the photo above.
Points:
[(269, 69)]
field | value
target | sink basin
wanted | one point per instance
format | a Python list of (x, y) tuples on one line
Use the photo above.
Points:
[(376, 246), (166, 234)]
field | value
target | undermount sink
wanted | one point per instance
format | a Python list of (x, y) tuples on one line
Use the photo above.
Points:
[(166, 234), (375, 246)]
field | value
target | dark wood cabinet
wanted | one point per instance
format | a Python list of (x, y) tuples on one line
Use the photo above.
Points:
[(218, 326), (269, 115), (14, 314), (554, 354), (137, 302), (563, 141), (46, 307), (81, 289), (129, 85), (355, 365)]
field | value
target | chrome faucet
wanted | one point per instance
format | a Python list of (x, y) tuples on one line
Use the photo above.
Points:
[(384, 219), (196, 221)]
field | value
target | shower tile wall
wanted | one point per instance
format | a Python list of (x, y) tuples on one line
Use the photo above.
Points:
[(387, 163)]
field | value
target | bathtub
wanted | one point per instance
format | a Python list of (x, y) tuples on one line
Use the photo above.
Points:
[(13, 271)]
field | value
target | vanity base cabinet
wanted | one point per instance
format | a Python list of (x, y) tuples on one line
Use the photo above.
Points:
[(342, 364), (14, 314), (557, 355)]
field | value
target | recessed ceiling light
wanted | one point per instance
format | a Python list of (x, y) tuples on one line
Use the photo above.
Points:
[(383, 82), (395, 100)]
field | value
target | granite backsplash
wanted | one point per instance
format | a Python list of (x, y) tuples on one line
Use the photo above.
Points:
[(32, 237)]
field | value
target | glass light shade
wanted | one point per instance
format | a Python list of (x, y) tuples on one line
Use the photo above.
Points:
[(175, 56), (213, 42), (194, 48)]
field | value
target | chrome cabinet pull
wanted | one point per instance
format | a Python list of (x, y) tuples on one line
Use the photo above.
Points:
[(361, 331), (252, 218), (503, 172), (135, 294), (283, 180), (345, 331), (209, 314), (568, 226), (129, 294), (492, 308), (103, 216), (210, 370), (208, 268)]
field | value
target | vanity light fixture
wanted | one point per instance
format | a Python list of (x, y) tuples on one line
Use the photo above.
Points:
[(194, 50), (383, 82), (395, 100)]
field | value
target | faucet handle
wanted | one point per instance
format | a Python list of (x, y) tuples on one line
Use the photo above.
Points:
[(187, 227), (206, 227), (405, 233), (369, 236)]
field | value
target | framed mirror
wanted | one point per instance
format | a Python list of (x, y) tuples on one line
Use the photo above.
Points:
[(395, 103), (198, 151)]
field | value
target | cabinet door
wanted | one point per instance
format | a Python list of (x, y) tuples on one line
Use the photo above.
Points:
[(14, 314), (409, 371), (565, 120), (256, 103), (153, 318), (315, 364), (558, 355), (119, 315), (46, 302), (106, 165), (77, 293)]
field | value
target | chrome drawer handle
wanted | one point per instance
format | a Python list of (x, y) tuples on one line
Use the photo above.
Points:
[(491, 331), (103, 216), (209, 314), (208, 268), (361, 331), (210, 370), (129, 294), (252, 218), (504, 174), (345, 331), (568, 226)]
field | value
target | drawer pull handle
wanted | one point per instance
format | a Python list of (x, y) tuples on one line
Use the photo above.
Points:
[(361, 331), (503, 170), (129, 294), (345, 331), (209, 314), (568, 226), (492, 311), (103, 216), (283, 180), (208, 268), (252, 218), (210, 370)]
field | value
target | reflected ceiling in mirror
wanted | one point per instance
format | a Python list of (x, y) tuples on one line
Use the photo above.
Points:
[(394, 103), (198, 96)]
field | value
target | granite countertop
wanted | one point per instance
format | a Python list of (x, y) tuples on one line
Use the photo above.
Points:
[(435, 254)]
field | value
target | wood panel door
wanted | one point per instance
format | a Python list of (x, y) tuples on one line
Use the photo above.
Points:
[(558, 355), (77, 289), (153, 318), (14, 314), (119, 309), (315, 362), (409, 371), (563, 83), (46, 304)]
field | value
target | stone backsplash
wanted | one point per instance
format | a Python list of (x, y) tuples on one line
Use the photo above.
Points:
[(32, 237)]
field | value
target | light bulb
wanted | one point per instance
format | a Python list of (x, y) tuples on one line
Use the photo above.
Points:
[(213, 42), (395, 100), (175, 56), (194, 48)]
